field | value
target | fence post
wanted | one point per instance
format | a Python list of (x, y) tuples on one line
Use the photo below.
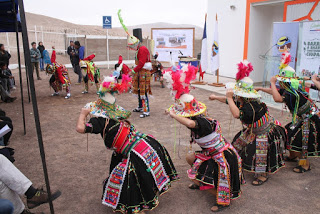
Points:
[(35, 34), (8, 44), (65, 41), (42, 34)]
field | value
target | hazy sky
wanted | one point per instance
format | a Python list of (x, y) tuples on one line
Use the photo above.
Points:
[(137, 12)]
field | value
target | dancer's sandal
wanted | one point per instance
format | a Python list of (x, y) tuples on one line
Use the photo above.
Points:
[(137, 110), (144, 115), (219, 208), (259, 181), (301, 169), (288, 159), (194, 186)]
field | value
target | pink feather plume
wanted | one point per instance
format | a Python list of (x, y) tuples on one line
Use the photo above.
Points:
[(125, 84), (244, 70), (183, 87)]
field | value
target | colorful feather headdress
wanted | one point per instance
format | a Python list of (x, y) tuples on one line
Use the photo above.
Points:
[(244, 85), (109, 85), (180, 79), (179, 82), (105, 106), (244, 70), (132, 41), (286, 73)]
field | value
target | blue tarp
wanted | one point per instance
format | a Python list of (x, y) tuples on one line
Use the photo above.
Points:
[(7, 19)]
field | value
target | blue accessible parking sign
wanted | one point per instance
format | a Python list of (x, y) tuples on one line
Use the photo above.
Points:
[(107, 22)]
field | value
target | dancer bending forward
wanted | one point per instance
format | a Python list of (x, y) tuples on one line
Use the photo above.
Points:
[(217, 167), (141, 168)]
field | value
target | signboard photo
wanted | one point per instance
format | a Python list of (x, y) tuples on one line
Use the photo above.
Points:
[(178, 41), (309, 49)]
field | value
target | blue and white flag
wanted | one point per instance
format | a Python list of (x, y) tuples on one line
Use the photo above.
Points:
[(204, 50)]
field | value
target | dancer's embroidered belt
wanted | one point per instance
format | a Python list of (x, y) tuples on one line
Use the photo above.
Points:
[(116, 179), (121, 136), (212, 143), (126, 138)]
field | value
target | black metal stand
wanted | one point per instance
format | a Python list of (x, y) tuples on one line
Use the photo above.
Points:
[(19, 64), (34, 98)]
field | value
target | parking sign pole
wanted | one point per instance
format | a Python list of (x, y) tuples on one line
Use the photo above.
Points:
[(108, 48)]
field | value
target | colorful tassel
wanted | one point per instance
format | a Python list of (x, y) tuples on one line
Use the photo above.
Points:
[(121, 21)]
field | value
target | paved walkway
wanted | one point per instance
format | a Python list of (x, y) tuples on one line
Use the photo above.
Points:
[(266, 98)]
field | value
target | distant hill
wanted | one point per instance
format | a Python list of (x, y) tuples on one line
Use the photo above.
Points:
[(53, 24)]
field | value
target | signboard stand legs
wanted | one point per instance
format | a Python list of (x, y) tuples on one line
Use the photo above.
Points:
[(217, 84)]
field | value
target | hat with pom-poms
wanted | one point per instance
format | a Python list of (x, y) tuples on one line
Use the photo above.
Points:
[(244, 85), (106, 105), (286, 72), (179, 83)]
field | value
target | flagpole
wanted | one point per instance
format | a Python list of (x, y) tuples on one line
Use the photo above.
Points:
[(199, 62), (217, 84)]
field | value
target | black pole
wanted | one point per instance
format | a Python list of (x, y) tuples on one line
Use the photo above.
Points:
[(34, 99), (28, 87), (19, 64)]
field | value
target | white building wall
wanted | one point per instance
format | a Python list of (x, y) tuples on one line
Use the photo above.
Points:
[(231, 33), (260, 36)]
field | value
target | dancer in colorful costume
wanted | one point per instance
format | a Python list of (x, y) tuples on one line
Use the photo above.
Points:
[(141, 168), (217, 167), (260, 142), (123, 68), (60, 76), (141, 73), (89, 72), (304, 130)]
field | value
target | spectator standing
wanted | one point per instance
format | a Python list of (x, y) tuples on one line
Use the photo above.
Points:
[(74, 61), (35, 58), (70, 52), (81, 49), (41, 48), (77, 56), (4, 55)]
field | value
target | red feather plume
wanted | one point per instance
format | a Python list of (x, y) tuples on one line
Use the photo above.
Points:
[(89, 58), (244, 70)]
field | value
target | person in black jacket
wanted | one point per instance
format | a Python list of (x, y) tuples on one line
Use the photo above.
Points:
[(74, 59), (5, 96), (4, 55), (70, 52), (41, 48)]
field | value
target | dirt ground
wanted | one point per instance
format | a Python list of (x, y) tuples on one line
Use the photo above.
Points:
[(79, 172)]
